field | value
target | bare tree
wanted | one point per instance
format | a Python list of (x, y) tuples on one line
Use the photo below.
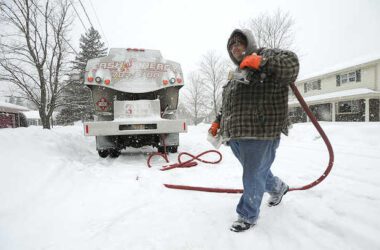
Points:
[(196, 98), (272, 31), (34, 52), (213, 74)]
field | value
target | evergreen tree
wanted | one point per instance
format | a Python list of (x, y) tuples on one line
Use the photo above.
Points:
[(77, 96)]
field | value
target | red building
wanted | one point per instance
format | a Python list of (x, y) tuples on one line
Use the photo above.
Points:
[(11, 115)]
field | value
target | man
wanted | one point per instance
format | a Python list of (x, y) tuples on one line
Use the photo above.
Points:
[(254, 113)]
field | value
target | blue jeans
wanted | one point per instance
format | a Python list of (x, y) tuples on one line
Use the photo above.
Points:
[(256, 157)]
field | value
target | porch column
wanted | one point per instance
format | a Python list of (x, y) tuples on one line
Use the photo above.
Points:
[(367, 110), (333, 111)]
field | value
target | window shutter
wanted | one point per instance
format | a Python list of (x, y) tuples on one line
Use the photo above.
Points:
[(358, 75), (319, 85), (337, 80)]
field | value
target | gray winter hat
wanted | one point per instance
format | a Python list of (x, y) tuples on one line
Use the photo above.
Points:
[(236, 37), (248, 37)]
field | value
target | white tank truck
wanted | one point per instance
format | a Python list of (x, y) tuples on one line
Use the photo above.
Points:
[(135, 95)]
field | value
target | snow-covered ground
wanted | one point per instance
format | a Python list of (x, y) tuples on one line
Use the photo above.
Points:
[(56, 193)]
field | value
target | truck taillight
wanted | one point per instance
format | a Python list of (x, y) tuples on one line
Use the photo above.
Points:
[(90, 79), (107, 81), (165, 82), (179, 80), (87, 130)]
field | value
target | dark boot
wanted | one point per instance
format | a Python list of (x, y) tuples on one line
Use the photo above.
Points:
[(240, 226)]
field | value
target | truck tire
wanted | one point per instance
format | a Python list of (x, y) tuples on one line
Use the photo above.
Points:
[(161, 149), (169, 149), (172, 149), (103, 153), (114, 153)]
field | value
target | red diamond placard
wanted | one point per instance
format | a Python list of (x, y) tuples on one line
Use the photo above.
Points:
[(103, 103)]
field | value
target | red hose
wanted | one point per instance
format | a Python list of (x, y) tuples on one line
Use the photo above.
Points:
[(312, 184), (163, 155), (324, 137), (205, 189), (191, 163), (186, 164)]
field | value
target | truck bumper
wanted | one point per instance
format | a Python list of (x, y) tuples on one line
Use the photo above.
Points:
[(161, 126)]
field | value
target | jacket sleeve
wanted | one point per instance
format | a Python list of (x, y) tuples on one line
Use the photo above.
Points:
[(282, 65)]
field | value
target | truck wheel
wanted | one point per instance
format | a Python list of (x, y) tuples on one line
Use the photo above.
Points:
[(114, 153), (172, 149), (103, 153), (169, 149), (161, 149)]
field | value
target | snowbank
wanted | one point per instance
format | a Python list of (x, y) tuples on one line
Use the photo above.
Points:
[(56, 193)]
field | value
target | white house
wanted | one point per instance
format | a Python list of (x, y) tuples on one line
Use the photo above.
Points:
[(350, 93), (33, 118)]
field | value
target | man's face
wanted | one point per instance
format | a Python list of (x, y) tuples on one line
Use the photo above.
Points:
[(237, 50)]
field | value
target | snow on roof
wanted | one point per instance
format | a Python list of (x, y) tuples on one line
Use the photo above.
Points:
[(9, 107), (337, 94), (342, 66), (34, 114)]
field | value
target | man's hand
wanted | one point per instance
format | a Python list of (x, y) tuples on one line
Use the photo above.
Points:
[(214, 128), (252, 61)]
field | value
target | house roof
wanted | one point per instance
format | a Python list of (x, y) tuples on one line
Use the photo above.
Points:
[(337, 95), (11, 108), (345, 66)]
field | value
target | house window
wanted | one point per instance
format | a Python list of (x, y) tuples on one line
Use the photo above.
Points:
[(343, 78), (349, 107), (358, 75), (314, 85), (353, 76)]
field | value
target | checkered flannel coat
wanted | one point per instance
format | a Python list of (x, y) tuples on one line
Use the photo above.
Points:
[(259, 110)]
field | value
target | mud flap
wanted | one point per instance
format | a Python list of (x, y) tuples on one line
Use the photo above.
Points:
[(105, 142), (171, 139)]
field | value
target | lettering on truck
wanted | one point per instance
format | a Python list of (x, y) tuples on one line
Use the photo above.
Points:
[(134, 69), (125, 66)]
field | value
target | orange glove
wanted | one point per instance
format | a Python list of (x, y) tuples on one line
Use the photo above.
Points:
[(252, 61), (214, 128)]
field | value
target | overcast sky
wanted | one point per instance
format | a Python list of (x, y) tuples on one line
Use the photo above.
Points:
[(327, 32)]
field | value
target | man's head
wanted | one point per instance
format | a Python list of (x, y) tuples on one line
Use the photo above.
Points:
[(241, 43), (237, 45)]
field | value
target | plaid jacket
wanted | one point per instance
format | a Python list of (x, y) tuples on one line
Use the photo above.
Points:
[(259, 109)]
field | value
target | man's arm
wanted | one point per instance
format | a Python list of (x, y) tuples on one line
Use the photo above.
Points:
[(282, 65)]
